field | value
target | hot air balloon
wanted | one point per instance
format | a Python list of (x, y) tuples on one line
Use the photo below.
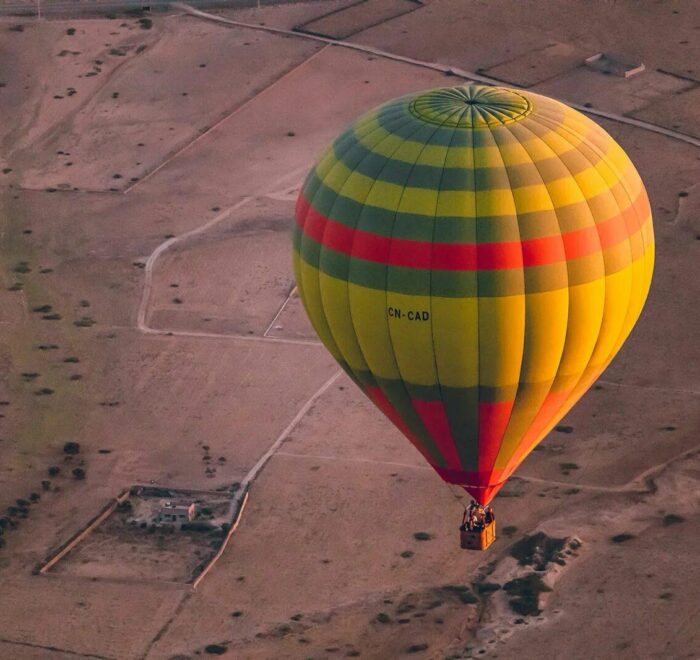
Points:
[(473, 257)]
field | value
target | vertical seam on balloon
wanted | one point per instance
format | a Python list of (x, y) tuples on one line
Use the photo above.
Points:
[(430, 286), (476, 293), (433, 451), (620, 176), (556, 217), (304, 237), (338, 195), (554, 129), (604, 162), (386, 287), (602, 318), (517, 224), (585, 198)]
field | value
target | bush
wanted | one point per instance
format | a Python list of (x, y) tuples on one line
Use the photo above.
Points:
[(78, 473), (568, 466), (416, 648), (45, 484), (422, 536), (462, 593), (71, 448), (525, 594), (198, 526), (538, 550), (54, 470), (621, 538), (487, 587), (215, 649)]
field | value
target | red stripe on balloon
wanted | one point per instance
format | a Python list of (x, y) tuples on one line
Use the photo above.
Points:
[(471, 256), (433, 416), (482, 486), (493, 420), (379, 399)]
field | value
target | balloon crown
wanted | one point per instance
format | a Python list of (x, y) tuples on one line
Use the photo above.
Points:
[(471, 106)]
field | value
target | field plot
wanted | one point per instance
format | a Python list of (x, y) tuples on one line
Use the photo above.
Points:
[(675, 112), (136, 543), (231, 279), (538, 65), (346, 21)]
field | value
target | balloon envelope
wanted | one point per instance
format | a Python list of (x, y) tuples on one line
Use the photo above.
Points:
[(473, 257)]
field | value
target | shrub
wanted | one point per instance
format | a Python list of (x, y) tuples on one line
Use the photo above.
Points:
[(198, 526), (462, 593), (538, 550), (45, 484), (383, 617), (215, 649), (672, 519), (78, 473), (71, 448), (54, 470), (621, 538), (525, 594), (422, 536), (568, 466), (416, 648)]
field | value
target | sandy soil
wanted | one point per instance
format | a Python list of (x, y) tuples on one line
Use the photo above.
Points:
[(326, 543)]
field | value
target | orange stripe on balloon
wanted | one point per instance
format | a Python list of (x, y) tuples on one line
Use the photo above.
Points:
[(550, 406)]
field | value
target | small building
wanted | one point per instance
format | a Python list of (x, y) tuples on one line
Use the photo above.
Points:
[(176, 513)]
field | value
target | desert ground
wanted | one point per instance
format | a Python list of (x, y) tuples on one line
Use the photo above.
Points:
[(149, 165)]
